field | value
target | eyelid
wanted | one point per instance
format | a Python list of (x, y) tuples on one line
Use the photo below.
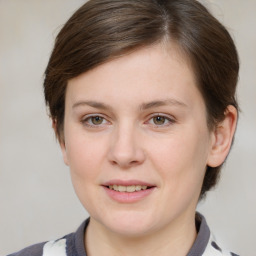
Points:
[(85, 118), (170, 118)]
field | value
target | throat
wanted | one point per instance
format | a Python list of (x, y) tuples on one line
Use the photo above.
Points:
[(101, 241)]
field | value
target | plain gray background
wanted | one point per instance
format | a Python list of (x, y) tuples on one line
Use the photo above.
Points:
[(37, 201)]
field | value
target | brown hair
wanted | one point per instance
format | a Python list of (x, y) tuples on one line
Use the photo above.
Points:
[(105, 29)]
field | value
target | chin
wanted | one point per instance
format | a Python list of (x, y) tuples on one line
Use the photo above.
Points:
[(130, 224)]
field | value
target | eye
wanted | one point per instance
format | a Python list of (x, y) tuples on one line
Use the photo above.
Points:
[(160, 120), (96, 120), (92, 121)]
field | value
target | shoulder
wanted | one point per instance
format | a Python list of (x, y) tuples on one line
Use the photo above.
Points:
[(205, 243), (33, 250), (69, 245), (213, 248), (57, 247), (51, 248)]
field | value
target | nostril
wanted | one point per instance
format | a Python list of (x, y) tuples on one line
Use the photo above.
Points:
[(126, 157), (113, 162)]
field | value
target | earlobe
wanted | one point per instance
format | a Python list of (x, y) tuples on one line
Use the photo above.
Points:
[(222, 138)]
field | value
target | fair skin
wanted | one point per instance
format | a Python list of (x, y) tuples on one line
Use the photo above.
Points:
[(134, 121)]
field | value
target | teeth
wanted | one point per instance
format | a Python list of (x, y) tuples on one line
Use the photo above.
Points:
[(138, 188), (122, 188), (130, 189)]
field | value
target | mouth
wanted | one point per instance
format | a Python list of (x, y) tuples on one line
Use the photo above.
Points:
[(128, 189)]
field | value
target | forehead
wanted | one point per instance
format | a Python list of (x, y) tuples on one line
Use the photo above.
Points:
[(149, 72)]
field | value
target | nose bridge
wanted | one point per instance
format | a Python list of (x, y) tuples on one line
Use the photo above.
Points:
[(125, 150)]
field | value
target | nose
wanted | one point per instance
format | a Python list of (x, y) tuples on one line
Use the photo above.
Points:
[(126, 149)]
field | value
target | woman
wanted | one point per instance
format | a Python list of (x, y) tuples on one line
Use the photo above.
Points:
[(142, 99)]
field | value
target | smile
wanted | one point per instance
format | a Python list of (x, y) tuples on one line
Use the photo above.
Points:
[(128, 189)]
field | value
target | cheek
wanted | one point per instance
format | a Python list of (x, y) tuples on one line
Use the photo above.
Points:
[(85, 155), (85, 161), (181, 161)]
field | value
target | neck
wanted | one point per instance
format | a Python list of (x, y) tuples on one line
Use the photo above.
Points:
[(175, 239)]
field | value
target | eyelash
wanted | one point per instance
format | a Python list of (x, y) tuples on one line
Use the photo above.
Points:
[(87, 121), (167, 120)]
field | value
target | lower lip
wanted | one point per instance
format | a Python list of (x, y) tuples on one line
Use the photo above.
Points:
[(128, 197)]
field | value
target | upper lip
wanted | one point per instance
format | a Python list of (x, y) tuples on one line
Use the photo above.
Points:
[(127, 183)]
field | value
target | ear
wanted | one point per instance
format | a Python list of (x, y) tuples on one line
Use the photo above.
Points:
[(222, 137), (61, 140)]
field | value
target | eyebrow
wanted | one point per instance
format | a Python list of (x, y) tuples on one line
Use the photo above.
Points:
[(143, 106), (160, 103), (94, 104)]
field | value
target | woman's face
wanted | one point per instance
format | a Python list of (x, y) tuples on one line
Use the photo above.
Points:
[(136, 141)]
